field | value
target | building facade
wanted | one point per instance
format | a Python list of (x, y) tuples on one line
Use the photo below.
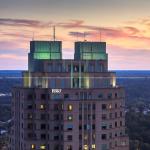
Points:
[(71, 104)]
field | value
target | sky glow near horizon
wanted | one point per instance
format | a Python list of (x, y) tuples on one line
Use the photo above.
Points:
[(124, 25)]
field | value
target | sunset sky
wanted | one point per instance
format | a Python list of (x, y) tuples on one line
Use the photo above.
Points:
[(124, 25)]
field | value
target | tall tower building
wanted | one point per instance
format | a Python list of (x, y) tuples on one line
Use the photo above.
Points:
[(71, 104)]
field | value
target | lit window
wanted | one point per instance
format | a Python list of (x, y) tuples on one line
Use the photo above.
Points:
[(62, 106), (85, 137), (85, 147), (30, 116), (69, 147), (110, 106), (123, 143), (69, 117), (33, 146), (93, 146), (42, 106), (93, 136), (70, 108), (42, 147)]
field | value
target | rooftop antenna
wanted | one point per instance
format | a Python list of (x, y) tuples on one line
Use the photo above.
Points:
[(33, 36), (100, 35), (77, 35), (84, 36), (54, 33)]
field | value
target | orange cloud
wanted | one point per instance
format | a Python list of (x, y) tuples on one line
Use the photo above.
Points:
[(128, 44)]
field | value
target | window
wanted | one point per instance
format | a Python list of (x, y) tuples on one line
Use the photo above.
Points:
[(31, 135), (70, 127), (52, 83), (110, 135), (93, 146), (104, 116), (30, 106), (121, 114), (110, 125), (110, 106), (80, 127), (42, 147), (120, 123), (115, 124), (104, 126), (87, 127), (104, 147), (85, 147), (76, 68), (80, 106), (56, 128), (110, 115), (75, 82), (121, 133), (70, 107), (62, 107), (115, 114), (43, 136), (30, 126), (104, 136), (116, 95), (43, 116), (42, 107), (104, 106), (56, 137), (56, 107), (69, 147), (43, 126), (69, 118), (93, 117), (89, 106), (93, 107), (123, 143), (43, 96), (66, 96), (80, 117), (56, 117), (56, 147), (69, 137), (110, 144), (80, 136), (93, 126), (30, 116), (82, 68), (100, 96), (30, 97), (110, 95), (33, 146)]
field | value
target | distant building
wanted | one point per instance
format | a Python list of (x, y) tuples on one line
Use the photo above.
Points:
[(71, 104)]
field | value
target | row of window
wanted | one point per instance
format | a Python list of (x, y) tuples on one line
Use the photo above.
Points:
[(78, 95), (45, 106), (45, 136), (69, 117), (104, 126), (84, 106), (90, 67), (112, 115)]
